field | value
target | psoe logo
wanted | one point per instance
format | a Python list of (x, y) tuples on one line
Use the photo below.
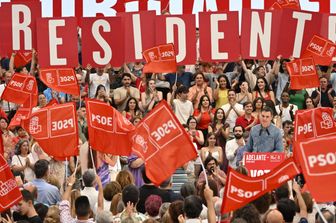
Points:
[(138, 139), (283, 178), (30, 85), (327, 122), (34, 127)]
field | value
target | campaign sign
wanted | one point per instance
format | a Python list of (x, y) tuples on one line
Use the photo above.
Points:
[(321, 50), (160, 59), (261, 163)]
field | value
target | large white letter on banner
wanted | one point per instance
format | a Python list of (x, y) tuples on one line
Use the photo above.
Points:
[(216, 35), (302, 18), (92, 7), (181, 29), (263, 34), (18, 26), (332, 28), (97, 55), (137, 36), (54, 42)]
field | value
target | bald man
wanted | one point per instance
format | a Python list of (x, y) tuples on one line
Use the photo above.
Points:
[(274, 216)]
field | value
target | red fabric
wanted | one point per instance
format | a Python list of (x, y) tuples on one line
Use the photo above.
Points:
[(55, 128), (20, 89), (314, 148), (66, 46), (244, 122), (205, 118), (290, 4), (320, 49), (302, 74), (10, 193), (160, 59), (241, 189), (61, 80), (108, 129), (111, 33), (22, 59), (159, 142)]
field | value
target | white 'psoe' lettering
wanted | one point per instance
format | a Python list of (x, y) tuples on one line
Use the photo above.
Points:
[(163, 130), (316, 47), (322, 160), (101, 119), (16, 84), (62, 124), (242, 193), (305, 128)]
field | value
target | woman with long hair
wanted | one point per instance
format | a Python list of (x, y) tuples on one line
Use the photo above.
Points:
[(8, 138), (101, 94), (132, 109), (220, 94), (198, 90), (244, 95), (204, 114), (222, 132), (150, 97), (262, 90), (309, 103), (23, 160), (211, 148), (258, 105)]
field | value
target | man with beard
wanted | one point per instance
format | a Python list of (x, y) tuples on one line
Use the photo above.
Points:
[(122, 94), (232, 145), (247, 121)]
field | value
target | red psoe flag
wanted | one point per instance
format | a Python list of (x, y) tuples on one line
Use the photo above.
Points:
[(241, 189), (22, 59), (160, 59), (315, 143), (61, 80), (20, 89), (161, 140), (55, 128), (57, 42), (321, 50), (303, 73), (108, 129), (9, 191)]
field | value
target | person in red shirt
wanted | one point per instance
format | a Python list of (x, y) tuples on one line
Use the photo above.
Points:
[(247, 120), (204, 114)]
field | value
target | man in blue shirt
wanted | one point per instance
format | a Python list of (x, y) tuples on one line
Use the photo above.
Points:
[(265, 137), (46, 193)]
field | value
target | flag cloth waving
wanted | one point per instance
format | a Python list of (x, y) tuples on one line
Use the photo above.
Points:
[(162, 143), (160, 59)]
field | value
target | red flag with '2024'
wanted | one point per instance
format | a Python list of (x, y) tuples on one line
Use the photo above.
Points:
[(241, 189), (9, 191), (303, 74), (160, 59), (108, 129), (55, 128), (161, 140), (61, 80), (314, 147)]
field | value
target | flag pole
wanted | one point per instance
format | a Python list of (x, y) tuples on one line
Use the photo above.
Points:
[(92, 160), (319, 212), (203, 168)]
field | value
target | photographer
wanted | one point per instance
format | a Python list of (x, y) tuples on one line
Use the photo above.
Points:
[(212, 172)]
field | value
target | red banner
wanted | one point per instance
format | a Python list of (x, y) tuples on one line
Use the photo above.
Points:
[(160, 59), (136, 35), (9, 192), (241, 189), (20, 89), (61, 80), (57, 44), (181, 31), (261, 163), (108, 129), (303, 74), (321, 50), (219, 36), (101, 44), (19, 21), (158, 142), (315, 143), (22, 59), (55, 128)]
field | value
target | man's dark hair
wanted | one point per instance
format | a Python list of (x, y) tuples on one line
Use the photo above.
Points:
[(41, 210), (175, 209), (268, 109), (27, 196), (130, 193), (192, 206), (262, 203), (247, 103), (238, 126), (287, 208), (281, 192), (144, 176), (287, 122), (89, 177), (249, 213), (188, 189), (208, 159), (82, 206), (41, 168), (126, 75), (182, 89)]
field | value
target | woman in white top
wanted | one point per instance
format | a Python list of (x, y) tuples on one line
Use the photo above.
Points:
[(23, 160), (215, 151), (150, 97)]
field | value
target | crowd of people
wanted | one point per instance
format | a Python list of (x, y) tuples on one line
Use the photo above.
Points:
[(226, 108)]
